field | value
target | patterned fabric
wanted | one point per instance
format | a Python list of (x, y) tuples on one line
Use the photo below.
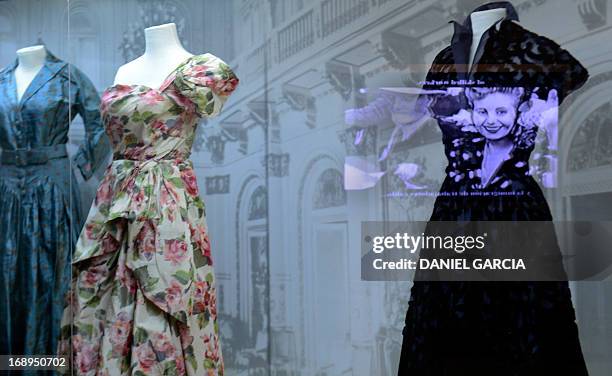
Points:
[(39, 200), (493, 328), (144, 296)]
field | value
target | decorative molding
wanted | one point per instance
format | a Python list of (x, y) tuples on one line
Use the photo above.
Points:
[(301, 100), (460, 9), (594, 13), (257, 112), (573, 157), (296, 36), (400, 51), (219, 184), (258, 207), (243, 138), (277, 164), (591, 146), (528, 4), (216, 145), (344, 78), (336, 14), (329, 190)]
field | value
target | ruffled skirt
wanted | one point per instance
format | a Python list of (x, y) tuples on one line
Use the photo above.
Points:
[(143, 297)]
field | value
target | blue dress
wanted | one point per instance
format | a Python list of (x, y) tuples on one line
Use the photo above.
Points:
[(39, 199)]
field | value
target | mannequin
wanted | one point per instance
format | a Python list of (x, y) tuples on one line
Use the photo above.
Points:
[(163, 53), (494, 153), (481, 22), (465, 327), (31, 60)]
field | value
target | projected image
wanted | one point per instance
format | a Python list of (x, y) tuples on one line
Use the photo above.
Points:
[(493, 137)]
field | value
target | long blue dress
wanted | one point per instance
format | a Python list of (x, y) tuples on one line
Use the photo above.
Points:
[(39, 199)]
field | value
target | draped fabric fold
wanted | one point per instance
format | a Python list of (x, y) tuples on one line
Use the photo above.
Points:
[(144, 291), (138, 196)]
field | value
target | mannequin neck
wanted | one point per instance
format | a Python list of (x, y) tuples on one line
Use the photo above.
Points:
[(162, 41), (31, 58), (483, 20)]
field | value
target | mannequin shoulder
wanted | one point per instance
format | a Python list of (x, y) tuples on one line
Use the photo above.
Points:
[(127, 71), (513, 30)]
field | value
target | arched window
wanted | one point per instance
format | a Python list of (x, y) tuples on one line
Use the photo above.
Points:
[(258, 208), (250, 297), (323, 261), (329, 190), (592, 144)]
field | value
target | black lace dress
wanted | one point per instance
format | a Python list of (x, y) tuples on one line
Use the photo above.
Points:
[(494, 328)]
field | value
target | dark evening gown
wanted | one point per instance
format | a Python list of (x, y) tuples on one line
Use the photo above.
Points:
[(494, 328), (39, 199)]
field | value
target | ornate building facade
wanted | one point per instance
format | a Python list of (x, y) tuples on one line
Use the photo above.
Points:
[(285, 234)]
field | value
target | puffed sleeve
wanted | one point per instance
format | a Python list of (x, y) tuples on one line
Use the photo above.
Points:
[(574, 77), (207, 82), (555, 68), (95, 147)]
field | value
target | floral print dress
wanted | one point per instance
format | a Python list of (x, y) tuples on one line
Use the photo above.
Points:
[(143, 299)]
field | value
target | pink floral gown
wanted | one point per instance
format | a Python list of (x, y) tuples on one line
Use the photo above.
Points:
[(143, 299)]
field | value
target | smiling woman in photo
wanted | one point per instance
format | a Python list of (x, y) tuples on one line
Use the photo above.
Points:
[(494, 114)]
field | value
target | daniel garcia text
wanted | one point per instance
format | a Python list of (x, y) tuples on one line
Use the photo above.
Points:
[(458, 244)]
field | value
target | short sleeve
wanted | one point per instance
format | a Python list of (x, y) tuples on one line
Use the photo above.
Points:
[(207, 82)]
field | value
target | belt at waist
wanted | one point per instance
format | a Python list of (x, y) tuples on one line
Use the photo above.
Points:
[(39, 155)]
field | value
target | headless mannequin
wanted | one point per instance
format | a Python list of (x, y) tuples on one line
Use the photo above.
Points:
[(30, 61), (481, 22), (495, 152), (163, 53)]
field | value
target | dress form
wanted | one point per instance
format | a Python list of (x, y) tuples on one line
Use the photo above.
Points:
[(163, 53), (481, 22), (31, 60), (495, 153)]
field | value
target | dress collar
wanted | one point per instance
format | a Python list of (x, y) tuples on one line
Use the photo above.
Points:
[(51, 67), (466, 27), (52, 64), (462, 37)]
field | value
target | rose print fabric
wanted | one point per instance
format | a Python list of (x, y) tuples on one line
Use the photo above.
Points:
[(143, 297)]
